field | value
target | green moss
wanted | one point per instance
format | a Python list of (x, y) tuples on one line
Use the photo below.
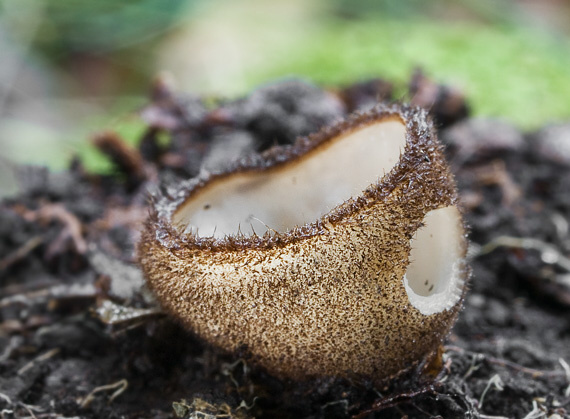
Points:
[(506, 71)]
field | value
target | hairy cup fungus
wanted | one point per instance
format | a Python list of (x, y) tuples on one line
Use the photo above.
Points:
[(342, 255)]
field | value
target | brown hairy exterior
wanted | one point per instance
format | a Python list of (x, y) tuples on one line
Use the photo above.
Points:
[(323, 299)]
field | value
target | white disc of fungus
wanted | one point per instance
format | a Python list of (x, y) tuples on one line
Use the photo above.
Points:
[(298, 193), (434, 280)]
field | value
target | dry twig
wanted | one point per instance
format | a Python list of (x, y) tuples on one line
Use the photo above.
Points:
[(119, 387), (49, 354), (396, 400), (21, 252), (508, 364), (73, 229)]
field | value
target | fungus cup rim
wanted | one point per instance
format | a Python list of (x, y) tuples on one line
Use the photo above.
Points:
[(419, 137)]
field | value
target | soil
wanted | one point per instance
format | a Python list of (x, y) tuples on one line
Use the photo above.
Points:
[(80, 336)]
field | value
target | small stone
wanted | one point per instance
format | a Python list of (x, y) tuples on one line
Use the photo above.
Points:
[(71, 373), (227, 148), (497, 313), (553, 143), (478, 137), (126, 280), (365, 95)]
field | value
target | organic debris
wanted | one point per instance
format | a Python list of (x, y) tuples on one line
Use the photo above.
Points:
[(80, 336)]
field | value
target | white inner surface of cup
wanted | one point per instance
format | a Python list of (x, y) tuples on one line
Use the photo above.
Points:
[(298, 192)]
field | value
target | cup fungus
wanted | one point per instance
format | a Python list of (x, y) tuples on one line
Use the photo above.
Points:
[(342, 255)]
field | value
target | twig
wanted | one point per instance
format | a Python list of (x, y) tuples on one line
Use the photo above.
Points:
[(30, 409), (120, 387), (228, 369), (127, 159), (536, 412), (395, 400), (494, 381), (548, 253), (52, 292), (244, 405), (567, 372), (49, 354), (6, 398), (21, 252), (72, 226), (28, 287), (473, 367), (496, 173), (14, 342), (504, 363)]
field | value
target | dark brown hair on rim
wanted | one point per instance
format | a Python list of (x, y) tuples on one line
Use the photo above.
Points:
[(421, 136)]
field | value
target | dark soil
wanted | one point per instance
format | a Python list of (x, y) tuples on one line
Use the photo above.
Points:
[(81, 337)]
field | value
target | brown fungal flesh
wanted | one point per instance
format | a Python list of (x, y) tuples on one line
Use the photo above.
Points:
[(342, 255)]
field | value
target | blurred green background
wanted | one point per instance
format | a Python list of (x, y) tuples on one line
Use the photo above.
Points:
[(69, 68)]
